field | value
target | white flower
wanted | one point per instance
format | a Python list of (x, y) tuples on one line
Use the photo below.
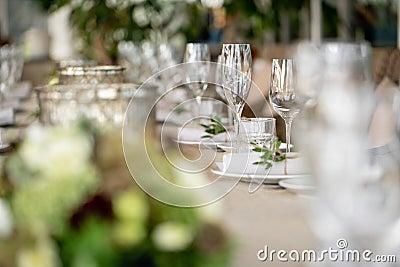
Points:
[(172, 236), (43, 254), (56, 151), (212, 3), (6, 221), (139, 15)]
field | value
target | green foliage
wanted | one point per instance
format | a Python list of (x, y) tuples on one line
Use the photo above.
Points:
[(102, 24), (90, 246), (262, 15), (214, 128), (268, 156), (90, 213)]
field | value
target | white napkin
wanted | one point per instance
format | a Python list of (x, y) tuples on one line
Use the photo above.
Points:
[(243, 163), (194, 134), (6, 116)]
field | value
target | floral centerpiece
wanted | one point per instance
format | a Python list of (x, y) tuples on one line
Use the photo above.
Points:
[(67, 199)]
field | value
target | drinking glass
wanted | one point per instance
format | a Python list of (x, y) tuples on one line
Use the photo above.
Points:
[(5, 87), (11, 64), (282, 93), (236, 77), (220, 89), (5, 70), (257, 132), (218, 78), (358, 186), (197, 73)]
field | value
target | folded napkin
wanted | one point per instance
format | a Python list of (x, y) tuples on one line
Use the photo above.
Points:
[(6, 116), (243, 163), (194, 134)]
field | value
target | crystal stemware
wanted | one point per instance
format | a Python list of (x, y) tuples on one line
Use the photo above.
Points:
[(358, 184), (5, 87), (282, 94), (236, 78), (198, 55), (220, 89)]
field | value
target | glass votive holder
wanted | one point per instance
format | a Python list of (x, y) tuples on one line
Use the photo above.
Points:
[(100, 103), (256, 134), (99, 74)]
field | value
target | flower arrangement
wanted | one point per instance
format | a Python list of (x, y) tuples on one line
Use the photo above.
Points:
[(67, 199)]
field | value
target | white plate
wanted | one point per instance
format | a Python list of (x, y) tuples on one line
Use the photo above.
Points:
[(206, 142), (268, 178), (228, 146), (300, 185)]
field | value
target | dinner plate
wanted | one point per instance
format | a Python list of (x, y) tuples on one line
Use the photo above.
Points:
[(192, 136), (246, 177), (300, 185), (228, 146), (206, 142)]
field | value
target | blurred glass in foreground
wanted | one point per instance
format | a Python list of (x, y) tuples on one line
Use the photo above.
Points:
[(358, 185)]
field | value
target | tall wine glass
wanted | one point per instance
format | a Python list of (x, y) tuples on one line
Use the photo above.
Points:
[(236, 77), (358, 182), (219, 88), (282, 93), (196, 74)]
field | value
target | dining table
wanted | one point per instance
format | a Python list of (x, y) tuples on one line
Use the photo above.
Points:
[(271, 216)]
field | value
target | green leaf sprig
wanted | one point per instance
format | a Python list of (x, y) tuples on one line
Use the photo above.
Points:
[(268, 156), (214, 128)]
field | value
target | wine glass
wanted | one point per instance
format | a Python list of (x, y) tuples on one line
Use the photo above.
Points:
[(218, 78), (198, 55), (282, 93), (358, 184), (236, 78), (5, 86), (220, 89)]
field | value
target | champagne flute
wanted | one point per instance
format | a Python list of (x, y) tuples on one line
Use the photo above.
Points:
[(282, 94), (358, 184), (198, 55), (236, 78), (219, 88)]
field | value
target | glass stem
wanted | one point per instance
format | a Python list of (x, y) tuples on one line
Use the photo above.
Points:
[(288, 126), (198, 100), (198, 106), (237, 125), (231, 117)]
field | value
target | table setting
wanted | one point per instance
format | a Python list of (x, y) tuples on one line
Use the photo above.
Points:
[(216, 124), (328, 89), (191, 146)]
